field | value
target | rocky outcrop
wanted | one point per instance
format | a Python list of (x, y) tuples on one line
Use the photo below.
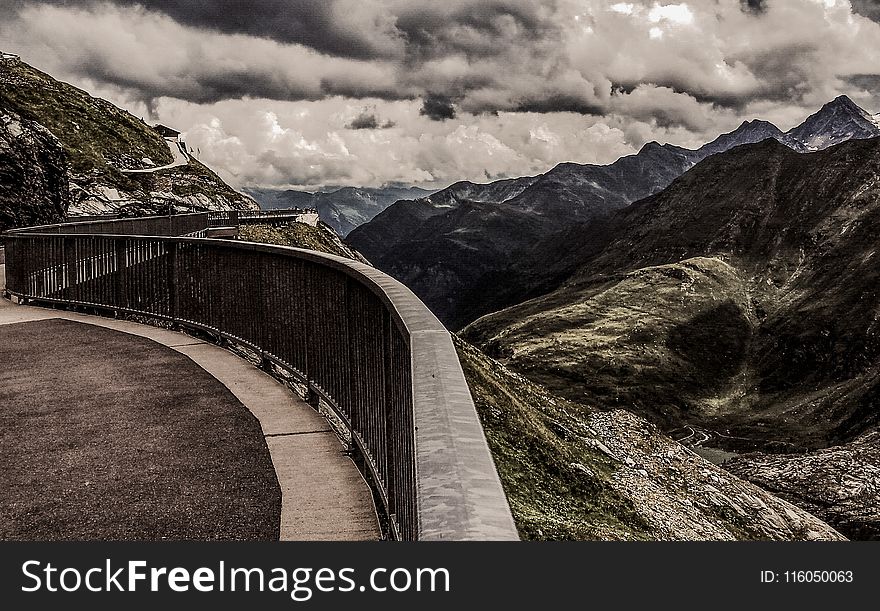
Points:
[(33, 174), (840, 484), (837, 121), (684, 497)]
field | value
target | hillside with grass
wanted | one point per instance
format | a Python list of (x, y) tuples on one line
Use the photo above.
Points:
[(100, 141), (300, 235), (571, 471), (741, 300)]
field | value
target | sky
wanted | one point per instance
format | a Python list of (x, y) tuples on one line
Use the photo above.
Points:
[(316, 93)]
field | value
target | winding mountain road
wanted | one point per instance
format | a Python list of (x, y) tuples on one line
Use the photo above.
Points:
[(180, 158)]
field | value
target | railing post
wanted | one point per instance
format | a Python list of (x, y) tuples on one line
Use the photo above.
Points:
[(312, 397), (72, 271), (390, 415), (121, 249), (353, 409), (173, 277)]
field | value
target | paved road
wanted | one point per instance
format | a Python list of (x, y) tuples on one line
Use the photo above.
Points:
[(324, 496), (179, 159)]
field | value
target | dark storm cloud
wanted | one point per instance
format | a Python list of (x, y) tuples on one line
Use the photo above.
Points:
[(456, 57), (868, 82), (437, 107), (754, 6), (484, 29), (868, 8), (361, 88), (334, 27), (560, 103), (204, 87), (364, 121), (369, 120), (312, 23)]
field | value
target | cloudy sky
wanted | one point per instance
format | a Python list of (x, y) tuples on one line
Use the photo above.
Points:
[(310, 93)]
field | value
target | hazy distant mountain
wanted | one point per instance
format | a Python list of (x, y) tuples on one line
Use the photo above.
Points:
[(343, 209), (448, 248), (451, 247)]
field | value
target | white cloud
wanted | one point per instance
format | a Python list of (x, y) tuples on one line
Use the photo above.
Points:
[(676, 13), (625, 8)]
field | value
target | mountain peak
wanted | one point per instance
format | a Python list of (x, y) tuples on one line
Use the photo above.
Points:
[(846, 102), (839, 120), (653, 146), (756, 126), (748, 132)]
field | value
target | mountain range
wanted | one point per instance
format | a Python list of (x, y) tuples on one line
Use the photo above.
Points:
[(472, 249), (344, 208), (737, 309)]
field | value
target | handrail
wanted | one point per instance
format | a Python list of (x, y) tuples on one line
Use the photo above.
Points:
[(168, 225), (359, 342), (227, 218)]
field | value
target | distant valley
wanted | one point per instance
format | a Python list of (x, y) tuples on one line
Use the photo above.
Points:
[(342, 209)]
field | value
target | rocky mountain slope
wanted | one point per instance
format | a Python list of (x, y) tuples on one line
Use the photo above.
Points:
[(841, 484), (447, 247), (457, 248), (342, 209), (100, 141), (34, 186), (572, 472), (838, 121)]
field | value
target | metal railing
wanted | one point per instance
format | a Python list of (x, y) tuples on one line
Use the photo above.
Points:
[(230, 218), (170, 225), (360, 343)]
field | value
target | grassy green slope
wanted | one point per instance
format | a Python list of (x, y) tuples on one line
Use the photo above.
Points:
[(101, 139), (299, 235), (556, 484), (666, 340), (94, 132)]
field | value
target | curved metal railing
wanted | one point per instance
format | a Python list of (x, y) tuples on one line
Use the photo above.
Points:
[(357, 340)]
